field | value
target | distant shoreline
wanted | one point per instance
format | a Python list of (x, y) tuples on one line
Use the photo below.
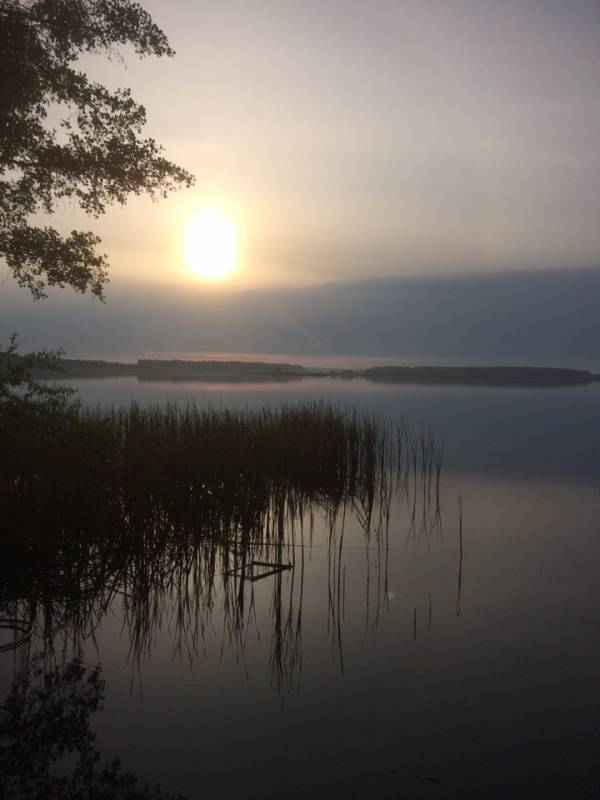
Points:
[(259, 371)]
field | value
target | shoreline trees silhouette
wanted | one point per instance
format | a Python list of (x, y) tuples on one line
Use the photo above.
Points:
[(95, 154)]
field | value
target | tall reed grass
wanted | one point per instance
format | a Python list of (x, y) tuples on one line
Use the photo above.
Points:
[(166, 507)]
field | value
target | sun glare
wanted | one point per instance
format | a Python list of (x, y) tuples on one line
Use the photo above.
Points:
[(210, 246)]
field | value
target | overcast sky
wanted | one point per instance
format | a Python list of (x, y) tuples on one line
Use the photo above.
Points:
[(376, 137), (354, 139)]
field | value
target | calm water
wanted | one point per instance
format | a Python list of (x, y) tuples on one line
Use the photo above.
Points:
[(455, 654)]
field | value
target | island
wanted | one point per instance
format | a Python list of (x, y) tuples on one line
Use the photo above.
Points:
[(154, 369), (507, 376)]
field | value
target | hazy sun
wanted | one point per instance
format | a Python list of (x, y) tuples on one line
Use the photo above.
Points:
[(210, 245)]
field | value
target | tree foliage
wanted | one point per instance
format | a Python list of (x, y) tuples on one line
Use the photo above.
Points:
[(17, 384), (94, 154)]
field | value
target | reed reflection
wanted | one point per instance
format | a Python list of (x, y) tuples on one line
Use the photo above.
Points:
[(227, 530)]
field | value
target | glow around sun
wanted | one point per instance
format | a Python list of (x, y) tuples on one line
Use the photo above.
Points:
[(210, 245)]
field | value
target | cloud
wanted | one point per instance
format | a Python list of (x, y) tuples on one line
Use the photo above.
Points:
[(519, 318)]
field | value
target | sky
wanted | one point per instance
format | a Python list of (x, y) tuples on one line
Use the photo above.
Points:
[(347, 140)]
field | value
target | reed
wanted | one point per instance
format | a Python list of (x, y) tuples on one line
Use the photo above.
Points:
[(214, 469), (163, 508)]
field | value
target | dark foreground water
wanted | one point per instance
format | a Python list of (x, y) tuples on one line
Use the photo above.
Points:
[(453, 654)]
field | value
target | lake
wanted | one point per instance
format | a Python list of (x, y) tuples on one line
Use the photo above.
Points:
[(450, 652)]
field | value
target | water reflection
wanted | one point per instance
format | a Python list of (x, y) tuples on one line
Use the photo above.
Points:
[(48, 745), (420, 686), (190, 557), (202, 567), (460, 560)]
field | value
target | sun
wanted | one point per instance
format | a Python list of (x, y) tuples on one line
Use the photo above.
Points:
[(210, 245)]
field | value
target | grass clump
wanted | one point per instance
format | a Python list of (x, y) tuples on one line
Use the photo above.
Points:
[(147, 503), (207, 465)]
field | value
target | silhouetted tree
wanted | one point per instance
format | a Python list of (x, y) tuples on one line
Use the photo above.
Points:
[(94, 153), (16, 383)]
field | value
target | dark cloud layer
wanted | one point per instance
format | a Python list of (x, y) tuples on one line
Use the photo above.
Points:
[(540, 317)]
